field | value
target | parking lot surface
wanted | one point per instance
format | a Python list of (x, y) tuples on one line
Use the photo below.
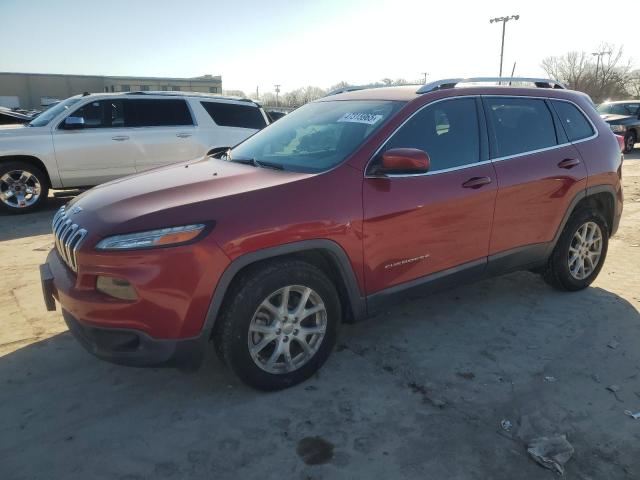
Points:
[(416, 392)]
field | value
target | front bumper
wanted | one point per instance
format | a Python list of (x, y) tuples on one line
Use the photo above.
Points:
[(126, 346), (164, 325), (135, 348)]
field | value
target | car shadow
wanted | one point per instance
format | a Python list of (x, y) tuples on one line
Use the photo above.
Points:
[(479, 350), (15, 226)]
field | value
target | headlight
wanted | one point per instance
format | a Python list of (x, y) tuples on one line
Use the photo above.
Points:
[(152, 238), (618, 128)]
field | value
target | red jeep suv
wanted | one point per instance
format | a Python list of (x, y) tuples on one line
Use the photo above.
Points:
[(347, 203)]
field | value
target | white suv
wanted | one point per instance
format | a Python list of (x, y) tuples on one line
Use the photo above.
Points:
[(93, 138)]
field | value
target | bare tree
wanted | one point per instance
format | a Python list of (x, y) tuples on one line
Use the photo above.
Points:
[(634, 84), (341, 84), (234, 93), (604, 78)]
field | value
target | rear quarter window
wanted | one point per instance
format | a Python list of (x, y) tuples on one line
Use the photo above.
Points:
[(233, 115), (575, 125)]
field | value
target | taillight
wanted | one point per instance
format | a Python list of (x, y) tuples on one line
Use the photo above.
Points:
[(620, 139)]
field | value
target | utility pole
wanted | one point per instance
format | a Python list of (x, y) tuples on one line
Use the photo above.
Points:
[(257, 93), (425, 78), (504, 21), (277, 94), (599, 55)]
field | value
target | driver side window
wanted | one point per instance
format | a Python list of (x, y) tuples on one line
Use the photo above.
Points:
[(101, 114), (446, 130)]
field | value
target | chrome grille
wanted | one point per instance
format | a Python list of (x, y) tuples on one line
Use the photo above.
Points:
[(68, 237)]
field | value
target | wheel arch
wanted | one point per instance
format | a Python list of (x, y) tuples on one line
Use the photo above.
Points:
[(323, 253), (601, 197), (30, 160)]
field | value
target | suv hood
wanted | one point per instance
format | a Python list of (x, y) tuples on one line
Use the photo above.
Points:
[(171, 195), (13, 129), (614, 118)]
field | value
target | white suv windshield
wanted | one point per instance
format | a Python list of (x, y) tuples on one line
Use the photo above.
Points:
[(45, 117), (317, 136)]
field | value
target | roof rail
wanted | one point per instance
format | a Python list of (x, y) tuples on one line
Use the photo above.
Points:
[(453, 82), (180, 93), (353, 88), (344, 90)]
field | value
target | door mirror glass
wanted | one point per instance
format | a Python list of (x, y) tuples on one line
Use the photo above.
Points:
[(404, 160), (73, 123), (218, 152)]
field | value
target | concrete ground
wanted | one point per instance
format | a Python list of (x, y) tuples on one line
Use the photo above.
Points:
[(417, 392)]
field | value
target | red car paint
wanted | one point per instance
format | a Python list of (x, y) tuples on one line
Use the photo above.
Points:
[(393, 231)]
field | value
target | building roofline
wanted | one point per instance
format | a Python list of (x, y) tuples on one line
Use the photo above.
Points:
[(116, 77)]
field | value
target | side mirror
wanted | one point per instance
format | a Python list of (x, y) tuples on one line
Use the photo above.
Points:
[(405, 160), (73, 123), (217, 151)]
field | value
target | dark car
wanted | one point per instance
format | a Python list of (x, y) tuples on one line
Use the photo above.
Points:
[(275, 115), (341, 206), (624, 119), (11, 117)]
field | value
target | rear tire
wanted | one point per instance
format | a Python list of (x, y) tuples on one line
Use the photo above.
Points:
[(271, 343), (23, 187), (580, 252), (630, 139)]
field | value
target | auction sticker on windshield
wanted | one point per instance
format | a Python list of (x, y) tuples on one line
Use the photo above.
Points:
[(368, 118)]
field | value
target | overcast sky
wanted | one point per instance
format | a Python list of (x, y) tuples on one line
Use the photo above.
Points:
[(297, 43)]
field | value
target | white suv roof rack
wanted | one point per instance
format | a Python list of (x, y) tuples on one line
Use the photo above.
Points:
[(170, 93), (453, 82)]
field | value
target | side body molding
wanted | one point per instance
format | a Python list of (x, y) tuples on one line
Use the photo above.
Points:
[(338, 255)]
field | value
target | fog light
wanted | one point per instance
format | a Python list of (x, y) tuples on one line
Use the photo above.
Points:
[(116, 287)]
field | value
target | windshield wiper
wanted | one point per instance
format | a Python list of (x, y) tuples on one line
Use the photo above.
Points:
[(257, 163)]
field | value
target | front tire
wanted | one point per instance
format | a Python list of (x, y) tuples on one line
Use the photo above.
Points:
[(630, 139), (580, 252), (279, 325), (23, 187)]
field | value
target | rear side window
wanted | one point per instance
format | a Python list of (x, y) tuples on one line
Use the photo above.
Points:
[(233, 115), (447, 131), (156, 113), (520, 125), (575, 125)]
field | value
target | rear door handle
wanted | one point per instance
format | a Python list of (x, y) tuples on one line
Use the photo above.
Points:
[(569, 163), (183, 135), (120, 138), (476, 182)]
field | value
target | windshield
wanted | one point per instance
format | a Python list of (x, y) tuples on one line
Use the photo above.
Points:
[(317, 136), (618, 108), (45, 117)]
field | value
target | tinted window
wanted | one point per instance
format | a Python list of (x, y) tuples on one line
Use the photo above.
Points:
[(232, 115), (447, 131), (575, 125), (520, 125), (92, 114), (101, 114), (157, 113)]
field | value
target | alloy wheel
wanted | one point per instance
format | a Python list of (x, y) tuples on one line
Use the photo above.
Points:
[(287, 329), (630, 143), (585, 250), (19, 189)]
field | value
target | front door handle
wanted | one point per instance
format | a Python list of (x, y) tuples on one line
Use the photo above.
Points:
[(120, 138), (476, 182), (569, 163), (183, 135)]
